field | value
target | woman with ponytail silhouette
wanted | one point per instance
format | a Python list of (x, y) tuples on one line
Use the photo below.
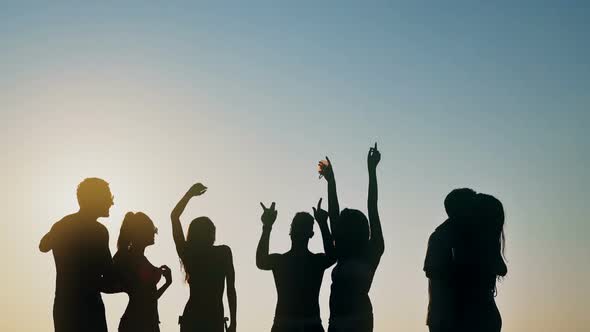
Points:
[(138, 276), (208, 268)]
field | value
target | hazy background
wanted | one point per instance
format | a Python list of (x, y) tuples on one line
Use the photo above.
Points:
[(246, 97)]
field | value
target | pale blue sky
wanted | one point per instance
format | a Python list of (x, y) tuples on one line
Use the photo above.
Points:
[(247, 97)]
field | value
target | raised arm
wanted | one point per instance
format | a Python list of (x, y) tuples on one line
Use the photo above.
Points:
[(327, 171), (232, 298), (264, 261), (321, 216), (177, 232), (376, 241), (167, 273)]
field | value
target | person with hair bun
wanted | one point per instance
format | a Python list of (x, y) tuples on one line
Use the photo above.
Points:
[(138, 277)]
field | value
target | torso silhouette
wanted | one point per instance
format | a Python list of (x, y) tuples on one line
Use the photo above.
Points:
[(352, 278), (139, 278), (298, 278), (207, 270), (82, 256), (476, 292)]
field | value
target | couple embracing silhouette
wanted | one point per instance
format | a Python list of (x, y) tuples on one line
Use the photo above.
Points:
[(463, 262), (85, 268), (465, 258)]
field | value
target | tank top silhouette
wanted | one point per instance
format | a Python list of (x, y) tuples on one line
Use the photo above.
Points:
[(140, 279)]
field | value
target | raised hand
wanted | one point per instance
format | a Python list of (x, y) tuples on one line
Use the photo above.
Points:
[(197, 190), (325, 169), (373, 158), (320, 215), (167, 273), (269, 215)]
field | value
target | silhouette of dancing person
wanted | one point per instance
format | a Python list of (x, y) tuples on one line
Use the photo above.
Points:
[(139, 278), (207, 269), (84, 267), (480, 262), (298, 273), (359, 247), (439, 264)]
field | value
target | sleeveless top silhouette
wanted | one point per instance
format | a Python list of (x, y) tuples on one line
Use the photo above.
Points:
[(140, 279), (81, 253), (352, 278), (207, 270)]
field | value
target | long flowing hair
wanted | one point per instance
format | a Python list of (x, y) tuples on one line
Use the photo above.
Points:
[(491, 235), (352, 233), (200, 237)]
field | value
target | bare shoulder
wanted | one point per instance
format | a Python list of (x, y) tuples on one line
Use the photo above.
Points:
[(225, 250)]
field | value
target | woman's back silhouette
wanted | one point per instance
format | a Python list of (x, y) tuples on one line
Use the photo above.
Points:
[(359, 247), (480, 262), (207, 269)]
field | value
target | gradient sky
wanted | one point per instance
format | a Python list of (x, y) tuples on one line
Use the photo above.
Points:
[(247, 99)]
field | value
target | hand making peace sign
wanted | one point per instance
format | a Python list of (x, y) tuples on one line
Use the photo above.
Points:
[(269, 215)]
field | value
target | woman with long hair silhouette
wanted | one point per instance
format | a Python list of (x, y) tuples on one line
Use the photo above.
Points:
[(359, 247), (480, 263), (208, 268), (138, 277)]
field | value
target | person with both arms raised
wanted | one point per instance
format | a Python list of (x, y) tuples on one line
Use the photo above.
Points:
[(298, 273)]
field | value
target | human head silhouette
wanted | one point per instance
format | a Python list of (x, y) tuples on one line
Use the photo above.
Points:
[(459, 203), (201, 233), (94, 197), (137, 230), (490, 232), (301, 227), (352, 233), (491, 211)]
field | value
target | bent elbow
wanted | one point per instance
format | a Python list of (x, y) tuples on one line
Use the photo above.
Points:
[(261, 264), (43, 247)]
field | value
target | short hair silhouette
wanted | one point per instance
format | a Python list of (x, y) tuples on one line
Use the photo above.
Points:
[(92, 192), (302, 226), (352, 234), (458, 202), (135, 228)]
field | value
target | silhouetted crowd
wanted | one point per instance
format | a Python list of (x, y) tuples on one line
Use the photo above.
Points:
[(463, 262)]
